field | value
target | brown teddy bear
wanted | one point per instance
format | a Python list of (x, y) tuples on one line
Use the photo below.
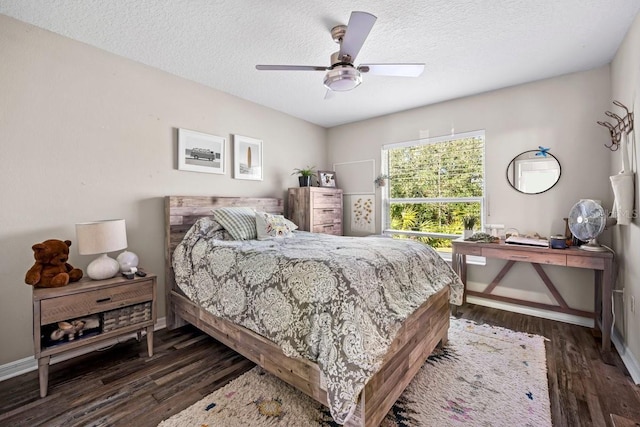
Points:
[(51, 269)]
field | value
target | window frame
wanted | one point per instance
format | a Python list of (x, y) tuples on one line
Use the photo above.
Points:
[(386, 199)]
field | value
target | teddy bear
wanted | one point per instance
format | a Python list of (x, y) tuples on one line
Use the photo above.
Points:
[(51, 269)]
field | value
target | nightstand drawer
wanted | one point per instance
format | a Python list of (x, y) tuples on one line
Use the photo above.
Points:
[(327, 200), (82, 304)]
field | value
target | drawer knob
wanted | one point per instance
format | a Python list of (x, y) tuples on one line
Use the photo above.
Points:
[(327, 210), (520, 256), (103, 300)]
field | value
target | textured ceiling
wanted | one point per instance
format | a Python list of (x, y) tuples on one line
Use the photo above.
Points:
[(468, 46)]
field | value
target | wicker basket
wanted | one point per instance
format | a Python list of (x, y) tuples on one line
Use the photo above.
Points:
[(126, 316)]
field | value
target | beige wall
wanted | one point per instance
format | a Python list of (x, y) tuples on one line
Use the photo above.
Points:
[(625, 87), (559, 113), (88, 135)]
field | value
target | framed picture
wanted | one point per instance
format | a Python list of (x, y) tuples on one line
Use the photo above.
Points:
[(363, 213), (327, 179), (200, 152), (247, 158)]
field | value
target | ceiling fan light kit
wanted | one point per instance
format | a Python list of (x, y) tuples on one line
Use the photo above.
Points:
[(342, 75), (342, 78)]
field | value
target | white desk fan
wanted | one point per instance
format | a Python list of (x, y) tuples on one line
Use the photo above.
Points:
[(587, 219)]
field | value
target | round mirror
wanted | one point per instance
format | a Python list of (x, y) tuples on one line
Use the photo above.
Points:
[(533, 174)]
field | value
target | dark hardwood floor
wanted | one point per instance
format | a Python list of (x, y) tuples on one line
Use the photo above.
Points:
[(122, 386)]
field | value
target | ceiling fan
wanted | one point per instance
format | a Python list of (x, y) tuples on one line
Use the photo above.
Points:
[(342, 75)]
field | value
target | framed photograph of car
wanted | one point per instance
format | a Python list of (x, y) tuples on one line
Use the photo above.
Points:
[(201, 152)]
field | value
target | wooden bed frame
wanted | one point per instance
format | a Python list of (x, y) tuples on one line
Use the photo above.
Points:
[(425, 329)]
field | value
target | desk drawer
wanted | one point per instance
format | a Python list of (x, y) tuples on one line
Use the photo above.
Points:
[(537, 257), (77, 305), (468, 249), (585, 262)]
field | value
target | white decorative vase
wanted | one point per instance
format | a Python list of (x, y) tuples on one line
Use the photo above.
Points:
[(467, 233), (102, 268)]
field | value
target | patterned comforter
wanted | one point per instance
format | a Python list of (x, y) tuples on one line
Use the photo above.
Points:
[(338, 301)]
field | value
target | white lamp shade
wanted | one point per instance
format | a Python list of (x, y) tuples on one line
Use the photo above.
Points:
[(100, 237)]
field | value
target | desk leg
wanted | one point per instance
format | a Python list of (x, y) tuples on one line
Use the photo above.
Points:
[(607, 316), (459, 266)]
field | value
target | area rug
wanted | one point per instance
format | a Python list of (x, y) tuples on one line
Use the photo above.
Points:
[(484, 376)]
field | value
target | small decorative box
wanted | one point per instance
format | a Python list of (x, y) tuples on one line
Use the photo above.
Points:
[(558, 242)]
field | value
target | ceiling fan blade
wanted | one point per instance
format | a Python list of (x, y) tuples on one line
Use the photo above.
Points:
[(291, 68), (399, 70), (358, 28)]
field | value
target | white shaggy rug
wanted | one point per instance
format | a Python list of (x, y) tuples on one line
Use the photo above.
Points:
[(485, 376)]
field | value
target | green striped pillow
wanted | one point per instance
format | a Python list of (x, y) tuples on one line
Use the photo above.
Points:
[(239, 222)]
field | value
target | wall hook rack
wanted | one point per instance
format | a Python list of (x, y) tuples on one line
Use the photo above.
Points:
[(623, 124)]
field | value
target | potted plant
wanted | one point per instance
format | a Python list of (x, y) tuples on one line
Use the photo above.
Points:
[(304, 175), (381, 180), (468, 222)]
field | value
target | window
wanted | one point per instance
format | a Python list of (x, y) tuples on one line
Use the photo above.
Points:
[(433, 184)]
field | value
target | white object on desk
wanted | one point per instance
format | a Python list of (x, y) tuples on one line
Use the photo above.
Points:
[(519, 240)]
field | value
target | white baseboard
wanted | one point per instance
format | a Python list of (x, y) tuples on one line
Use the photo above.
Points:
[(530, 311), (28, 364), (627, 357)]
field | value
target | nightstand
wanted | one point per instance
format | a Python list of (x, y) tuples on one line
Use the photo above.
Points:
[(111, 308)]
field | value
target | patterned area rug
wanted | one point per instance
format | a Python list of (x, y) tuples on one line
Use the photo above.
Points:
[(485, 376)]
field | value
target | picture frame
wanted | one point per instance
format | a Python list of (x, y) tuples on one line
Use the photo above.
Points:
[(363, 213), (247, 158), (201, 152), (327, 179)]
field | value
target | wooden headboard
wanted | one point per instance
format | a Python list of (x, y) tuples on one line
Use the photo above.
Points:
[(181, 212)]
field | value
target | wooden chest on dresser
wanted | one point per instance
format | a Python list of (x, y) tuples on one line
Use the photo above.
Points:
[(316, 209)]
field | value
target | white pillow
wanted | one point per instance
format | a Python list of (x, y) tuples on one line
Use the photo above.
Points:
[(273, 226)]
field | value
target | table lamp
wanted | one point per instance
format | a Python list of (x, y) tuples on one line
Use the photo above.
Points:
[(100, 237)]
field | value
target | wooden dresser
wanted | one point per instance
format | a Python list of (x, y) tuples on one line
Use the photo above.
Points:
[(316, 209)]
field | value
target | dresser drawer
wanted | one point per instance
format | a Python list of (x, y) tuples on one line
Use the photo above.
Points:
[(328, 229), (327, 200), (327, 216), (514, 255), (82, 304)]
